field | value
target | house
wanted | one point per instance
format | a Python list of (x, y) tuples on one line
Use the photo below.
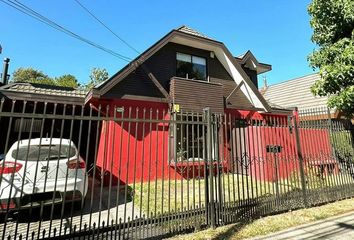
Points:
[(297, 93), (149, 120), (182, 73)]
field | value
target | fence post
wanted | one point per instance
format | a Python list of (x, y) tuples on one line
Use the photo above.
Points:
[(301, 160), (209, 145), (331, 139)]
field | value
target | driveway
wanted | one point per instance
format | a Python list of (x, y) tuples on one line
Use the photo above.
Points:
[(104, 208)]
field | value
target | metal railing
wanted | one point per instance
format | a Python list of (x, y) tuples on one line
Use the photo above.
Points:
[(119, 172)]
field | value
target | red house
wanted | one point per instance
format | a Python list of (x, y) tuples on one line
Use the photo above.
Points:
[(175, 79)]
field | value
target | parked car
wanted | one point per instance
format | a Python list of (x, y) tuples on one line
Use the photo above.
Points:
[(42, 171)]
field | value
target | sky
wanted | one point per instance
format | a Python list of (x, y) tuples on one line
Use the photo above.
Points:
[(278, 32)]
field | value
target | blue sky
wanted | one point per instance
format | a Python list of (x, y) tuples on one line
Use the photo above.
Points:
[(276, 31)]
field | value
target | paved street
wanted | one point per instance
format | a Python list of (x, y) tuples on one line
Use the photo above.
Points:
[(338, 227), (102, 210)]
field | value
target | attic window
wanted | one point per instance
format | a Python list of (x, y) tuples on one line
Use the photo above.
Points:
[(191, 67)]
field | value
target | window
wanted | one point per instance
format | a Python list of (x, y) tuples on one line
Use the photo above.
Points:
[(188, 139), (192, 67), (43, 152)]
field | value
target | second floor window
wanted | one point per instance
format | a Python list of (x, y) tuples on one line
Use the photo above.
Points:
[(192, 67)]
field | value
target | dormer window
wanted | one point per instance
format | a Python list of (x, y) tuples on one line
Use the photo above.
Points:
[(189, 66)]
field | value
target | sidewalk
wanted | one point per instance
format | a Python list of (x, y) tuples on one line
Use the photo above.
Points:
[(338, 227)]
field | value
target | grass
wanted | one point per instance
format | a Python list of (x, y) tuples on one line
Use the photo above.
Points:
[(173, 195), (272, 224), (162, 196)]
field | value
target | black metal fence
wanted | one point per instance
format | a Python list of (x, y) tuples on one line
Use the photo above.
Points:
[(109, 171)]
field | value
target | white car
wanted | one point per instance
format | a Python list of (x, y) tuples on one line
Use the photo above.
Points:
[(41, 171)]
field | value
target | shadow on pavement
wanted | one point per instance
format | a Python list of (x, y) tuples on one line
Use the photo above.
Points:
[(96, 201)]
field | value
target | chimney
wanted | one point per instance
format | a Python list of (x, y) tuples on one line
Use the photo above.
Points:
[(265, 85), (4, 72)]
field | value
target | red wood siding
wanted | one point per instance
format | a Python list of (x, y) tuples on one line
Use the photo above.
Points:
[(252, 142), (137, 152)]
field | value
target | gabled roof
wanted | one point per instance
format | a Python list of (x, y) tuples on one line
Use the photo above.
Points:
[(295, 93), (37, 91), (191, 31), (249, 60), (187, 36)]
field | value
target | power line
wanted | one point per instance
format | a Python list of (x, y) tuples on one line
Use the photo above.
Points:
[(104, 25), (32, 13), (68, 32)]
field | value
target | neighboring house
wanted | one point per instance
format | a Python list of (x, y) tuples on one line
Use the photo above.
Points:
[(297, 93), (42, 92)]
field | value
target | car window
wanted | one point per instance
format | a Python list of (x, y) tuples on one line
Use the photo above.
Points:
[(43, 152)]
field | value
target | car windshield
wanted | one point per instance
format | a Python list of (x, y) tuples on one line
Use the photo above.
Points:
[(43, 152)]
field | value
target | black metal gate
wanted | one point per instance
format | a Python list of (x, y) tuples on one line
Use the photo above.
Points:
[(152, 173)]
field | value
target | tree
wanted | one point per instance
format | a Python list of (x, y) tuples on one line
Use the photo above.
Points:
[(67, 80), (31, 75), (97, 76), (333, 31)]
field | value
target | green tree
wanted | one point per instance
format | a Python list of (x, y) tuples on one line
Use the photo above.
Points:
[(333, 31), (97, 76), (31, 75), (67, 80)]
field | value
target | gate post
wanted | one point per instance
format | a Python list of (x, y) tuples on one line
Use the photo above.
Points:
[(300, 157), (210, 170)]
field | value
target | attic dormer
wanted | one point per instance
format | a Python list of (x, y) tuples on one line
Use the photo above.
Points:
[(252, 67)]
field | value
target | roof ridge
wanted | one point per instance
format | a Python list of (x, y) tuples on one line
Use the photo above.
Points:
[(189, 30), (241, 56), (42, 88), (181, 27)]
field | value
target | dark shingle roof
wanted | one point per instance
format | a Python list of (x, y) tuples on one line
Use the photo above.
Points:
[(191, 31), (44, 89)]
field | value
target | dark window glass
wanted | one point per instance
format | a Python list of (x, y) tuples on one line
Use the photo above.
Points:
[(43, 152), (189, 139), (192, 67)]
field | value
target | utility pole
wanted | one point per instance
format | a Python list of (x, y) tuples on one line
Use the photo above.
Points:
[(5, 70), (4, 76)]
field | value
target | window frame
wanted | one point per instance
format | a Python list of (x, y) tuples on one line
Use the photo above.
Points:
[(191, 61), (177, 133)]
